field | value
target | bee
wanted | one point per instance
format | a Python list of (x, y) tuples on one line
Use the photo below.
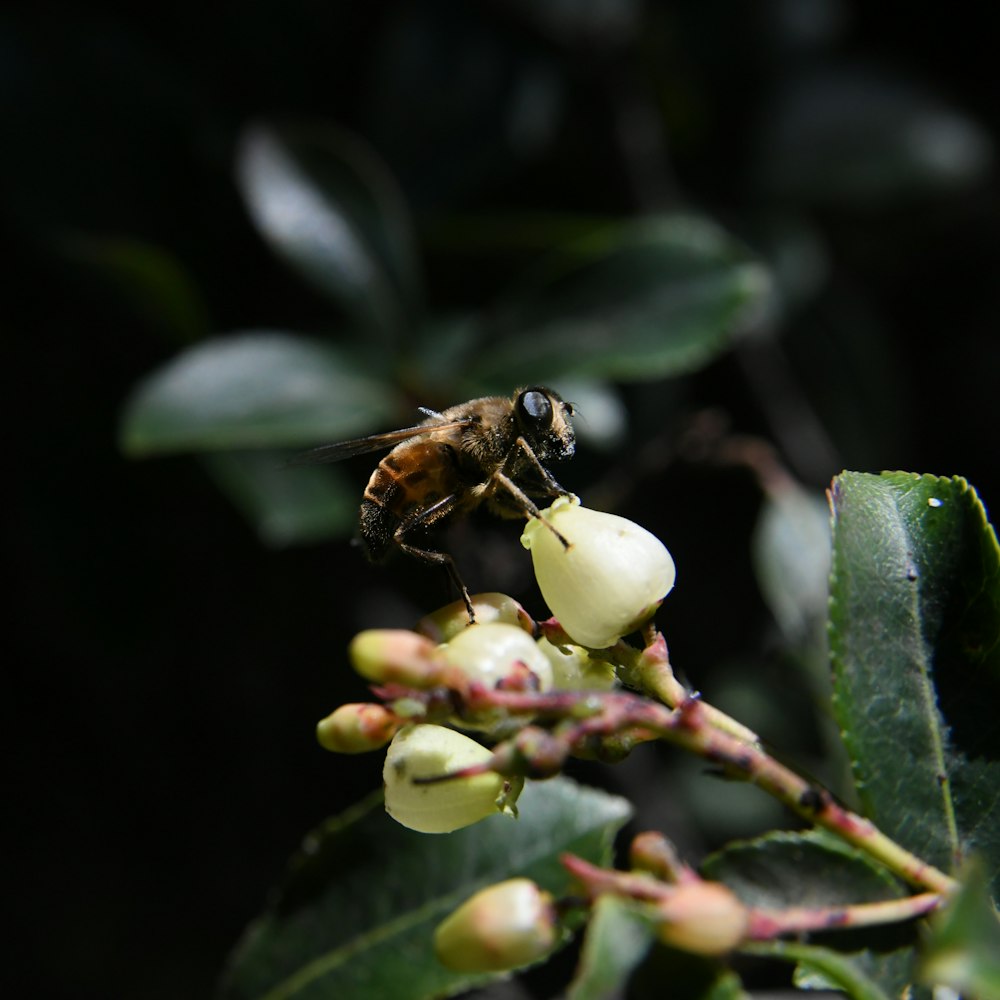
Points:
[(488, 451)]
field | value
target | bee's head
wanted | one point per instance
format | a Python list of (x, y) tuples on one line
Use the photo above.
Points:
[(543, 418)]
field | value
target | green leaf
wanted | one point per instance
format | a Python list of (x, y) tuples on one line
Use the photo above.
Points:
[(689, 977), (915, 644), (963, 950), (822, 968), (286, 505), (442, 345), (797, 254), (643, 300), (815, 869), (856, 137), (149, 277), (812, 869), (617, 939), (329, 207), (254, 390), (357, 914), (508, 232), (791, 548)]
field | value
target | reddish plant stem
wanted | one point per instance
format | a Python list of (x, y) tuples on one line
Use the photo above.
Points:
[(595, 880), (654, 674), (762, 924), (767, 924), (649, 670), (586, 715)]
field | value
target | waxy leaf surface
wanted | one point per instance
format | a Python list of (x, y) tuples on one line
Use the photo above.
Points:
[(915, 645), (254, 390), (357, 914)]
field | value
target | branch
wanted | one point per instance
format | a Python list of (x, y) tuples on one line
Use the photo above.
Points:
[(586, 716)]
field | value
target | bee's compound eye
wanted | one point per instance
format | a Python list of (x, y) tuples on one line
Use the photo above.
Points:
[(535, 408)]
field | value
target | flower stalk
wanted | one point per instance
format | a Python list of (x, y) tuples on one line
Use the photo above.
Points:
[(690, 726), (693, 899), (651, 672)]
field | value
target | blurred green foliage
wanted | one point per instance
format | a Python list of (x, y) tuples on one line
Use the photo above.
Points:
[(236, 231), (645, 299)]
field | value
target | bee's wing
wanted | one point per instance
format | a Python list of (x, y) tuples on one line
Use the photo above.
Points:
[(374, 442)]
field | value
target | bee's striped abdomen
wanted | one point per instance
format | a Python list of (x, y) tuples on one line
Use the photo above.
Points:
[(411, 478)]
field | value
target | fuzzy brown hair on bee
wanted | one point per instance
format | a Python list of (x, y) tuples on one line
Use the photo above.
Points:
[(487, 452)]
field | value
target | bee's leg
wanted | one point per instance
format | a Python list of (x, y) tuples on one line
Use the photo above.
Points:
[(525, 502), (424, 517), (548, 480), (445, 560)]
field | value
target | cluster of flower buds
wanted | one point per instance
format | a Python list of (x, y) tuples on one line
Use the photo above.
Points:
[(602, 576), (498, 654), (543, 692), (428, 688)]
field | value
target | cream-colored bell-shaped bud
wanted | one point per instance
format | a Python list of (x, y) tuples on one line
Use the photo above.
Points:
[(601, 575), (498, 653), (428, 751)]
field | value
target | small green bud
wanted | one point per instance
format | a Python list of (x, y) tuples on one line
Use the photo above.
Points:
[(428, 751), (395, 656), (357, 728), (504, 926), (704, 918), (610, 579), (447, 622), (574, 669), (497, 653)]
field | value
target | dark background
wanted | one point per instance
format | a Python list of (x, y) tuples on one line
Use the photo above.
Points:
[(166, 670)]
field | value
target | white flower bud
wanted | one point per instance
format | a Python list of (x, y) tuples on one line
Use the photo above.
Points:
[(504, 926), (427, 751), (497, 652), (453, 619), (574, 669), (609, 580)]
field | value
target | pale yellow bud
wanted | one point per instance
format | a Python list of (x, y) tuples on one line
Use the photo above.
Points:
[(574, 669), (427, 751), (447, 622), (495, 653), (395, 656), (504, 926), (705, 918), (607, 582), (357, 728)]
